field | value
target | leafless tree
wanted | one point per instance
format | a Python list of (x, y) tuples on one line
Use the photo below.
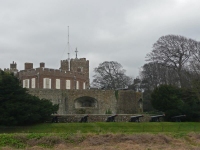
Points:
[(154, 74), (110, 75), (173, 51)]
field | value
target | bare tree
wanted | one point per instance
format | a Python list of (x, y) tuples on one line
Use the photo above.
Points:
[(154, 74), (110, 75), (173, 51)]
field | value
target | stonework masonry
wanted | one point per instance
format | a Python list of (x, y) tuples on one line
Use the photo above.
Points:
[(92, 101), (99, 118)]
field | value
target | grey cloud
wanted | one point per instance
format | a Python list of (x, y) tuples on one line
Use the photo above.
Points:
[(123, 31)]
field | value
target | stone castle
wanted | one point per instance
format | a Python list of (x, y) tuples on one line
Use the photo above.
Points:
[(69, 87)]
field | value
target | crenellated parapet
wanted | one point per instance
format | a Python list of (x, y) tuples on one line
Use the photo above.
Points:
[(63, 78), (52, 72)]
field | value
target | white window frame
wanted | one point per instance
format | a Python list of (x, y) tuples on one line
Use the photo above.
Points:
[(46, 83), (26, 83), (33, 83), (68, 84), (84, 85), (57, 83), (77, 85)]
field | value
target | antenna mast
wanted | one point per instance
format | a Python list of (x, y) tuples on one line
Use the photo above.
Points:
[(68, 52), (76, 52)]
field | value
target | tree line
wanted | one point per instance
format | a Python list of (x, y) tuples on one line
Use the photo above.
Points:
[(173, 63)]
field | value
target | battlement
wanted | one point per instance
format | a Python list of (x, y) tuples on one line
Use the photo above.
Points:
[(77, 77), (54, 72), (79, 59), (13, 65)]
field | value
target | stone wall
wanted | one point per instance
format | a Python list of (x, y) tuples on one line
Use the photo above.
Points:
[(116, 102), (99, 118), (128, 102)]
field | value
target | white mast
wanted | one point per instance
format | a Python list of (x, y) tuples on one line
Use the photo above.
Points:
[(68, 52)]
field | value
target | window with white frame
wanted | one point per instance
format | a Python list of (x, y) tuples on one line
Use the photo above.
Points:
[(46, 83), (68, 84), (57, 83), (77, 84), (33, 83), (84, 85), (26, 83)]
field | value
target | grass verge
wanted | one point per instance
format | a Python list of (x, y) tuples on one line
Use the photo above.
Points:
[(105, 127), (48, 135)]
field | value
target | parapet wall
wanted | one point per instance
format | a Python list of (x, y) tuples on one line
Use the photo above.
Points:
[(54, 72), (116, 102)]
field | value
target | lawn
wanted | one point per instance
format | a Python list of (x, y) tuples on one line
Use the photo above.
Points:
[(101, 135), (105, 127)]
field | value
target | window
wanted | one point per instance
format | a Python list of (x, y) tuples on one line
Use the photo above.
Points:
[(26, 83), (47, 83), (68, 84), (80, 69), (57, 83), (77, 84), (33, 83), (84, 85)]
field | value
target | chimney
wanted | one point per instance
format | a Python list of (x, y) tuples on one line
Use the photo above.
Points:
[(28, 66), (42, 65)]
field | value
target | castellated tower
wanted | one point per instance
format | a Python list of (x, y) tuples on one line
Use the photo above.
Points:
[(80, 66), (64, 65), (13, 68)]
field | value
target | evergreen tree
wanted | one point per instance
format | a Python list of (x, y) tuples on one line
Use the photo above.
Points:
[(17, 107), (176, 101)]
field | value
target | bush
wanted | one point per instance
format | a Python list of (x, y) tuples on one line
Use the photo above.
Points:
[(17, 107), (176, 101)]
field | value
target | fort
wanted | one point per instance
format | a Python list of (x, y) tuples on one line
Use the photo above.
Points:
[(93, 101), (69, 87)]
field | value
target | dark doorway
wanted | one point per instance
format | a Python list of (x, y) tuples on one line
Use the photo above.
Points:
[(85, 101)]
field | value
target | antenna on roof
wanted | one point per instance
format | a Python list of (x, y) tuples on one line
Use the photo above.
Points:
[(76, 52), (68, 52)]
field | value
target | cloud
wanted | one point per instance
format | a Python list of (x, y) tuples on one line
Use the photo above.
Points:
[(123, 31)]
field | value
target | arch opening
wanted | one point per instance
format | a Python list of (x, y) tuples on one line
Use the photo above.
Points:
[(85, 102)]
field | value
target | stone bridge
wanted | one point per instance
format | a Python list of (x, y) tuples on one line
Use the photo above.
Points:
[(93, 101)]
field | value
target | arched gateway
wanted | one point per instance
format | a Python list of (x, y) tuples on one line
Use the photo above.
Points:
[(86, 105)]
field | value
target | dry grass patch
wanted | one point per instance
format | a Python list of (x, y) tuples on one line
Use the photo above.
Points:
[(111, 141)]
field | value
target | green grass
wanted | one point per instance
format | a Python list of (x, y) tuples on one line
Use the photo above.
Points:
[(105, 127), (49, 134)]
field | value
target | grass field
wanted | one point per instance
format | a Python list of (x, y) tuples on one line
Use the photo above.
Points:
[(98, 135), (105, 127)]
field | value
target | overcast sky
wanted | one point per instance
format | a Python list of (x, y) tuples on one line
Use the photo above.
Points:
[(102, 30)]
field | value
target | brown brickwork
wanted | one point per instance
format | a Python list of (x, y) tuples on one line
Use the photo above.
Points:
[(42, 65), (79, 72), (28, 66)]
